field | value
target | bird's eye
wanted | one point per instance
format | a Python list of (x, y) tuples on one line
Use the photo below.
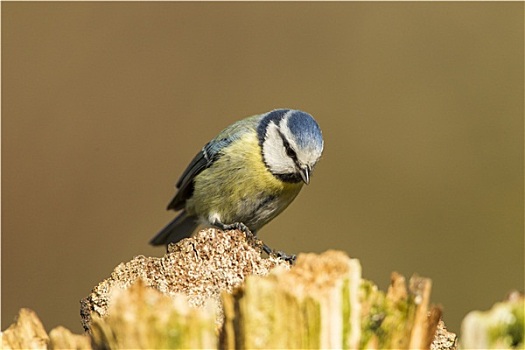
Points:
[(290, 152)]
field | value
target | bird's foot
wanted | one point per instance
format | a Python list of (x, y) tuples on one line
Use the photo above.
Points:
[(237, 226)]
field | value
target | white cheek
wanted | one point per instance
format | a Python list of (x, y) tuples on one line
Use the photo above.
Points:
[(275, 153)]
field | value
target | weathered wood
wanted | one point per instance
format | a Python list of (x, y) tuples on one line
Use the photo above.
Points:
[(63, 338), (314, 305), (143, 318), (216, 291), (201, 267), (27, 332)]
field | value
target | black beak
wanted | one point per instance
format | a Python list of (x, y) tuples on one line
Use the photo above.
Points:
[(305, 174)]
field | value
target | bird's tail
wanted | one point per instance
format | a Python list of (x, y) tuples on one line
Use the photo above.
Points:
[(181, 227)]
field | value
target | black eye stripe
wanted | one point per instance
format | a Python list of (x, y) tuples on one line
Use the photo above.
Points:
[(287, 146), (289, 150)]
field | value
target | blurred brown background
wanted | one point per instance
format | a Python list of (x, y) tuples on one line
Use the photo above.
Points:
[(421, 105)]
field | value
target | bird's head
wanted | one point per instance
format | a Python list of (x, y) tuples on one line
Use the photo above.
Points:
[(291, 144)]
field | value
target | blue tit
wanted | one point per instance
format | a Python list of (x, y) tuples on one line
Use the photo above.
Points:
[(247, 175)]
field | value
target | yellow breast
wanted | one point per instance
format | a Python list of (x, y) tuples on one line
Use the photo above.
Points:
[(238, 186)]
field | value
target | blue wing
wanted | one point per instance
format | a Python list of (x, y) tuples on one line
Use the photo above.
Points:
[(207, 156)]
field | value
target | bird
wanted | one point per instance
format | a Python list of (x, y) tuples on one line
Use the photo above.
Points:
[(246, 176)]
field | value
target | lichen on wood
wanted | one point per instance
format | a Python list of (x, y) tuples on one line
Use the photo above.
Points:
[(501, 327)]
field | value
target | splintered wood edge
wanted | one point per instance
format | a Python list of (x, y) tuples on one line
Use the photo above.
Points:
[(317, 275)]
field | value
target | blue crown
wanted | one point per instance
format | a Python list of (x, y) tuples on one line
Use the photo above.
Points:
[(306, 130), (302, 125)]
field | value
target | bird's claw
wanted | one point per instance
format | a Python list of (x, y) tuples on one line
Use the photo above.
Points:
[(288, 258), (279, 254)]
